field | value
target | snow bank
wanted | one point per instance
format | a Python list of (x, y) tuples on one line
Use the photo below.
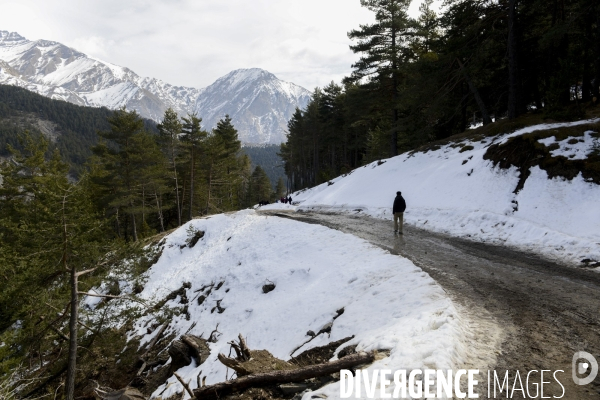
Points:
[(278, 206), (387, 302), (461, 194)]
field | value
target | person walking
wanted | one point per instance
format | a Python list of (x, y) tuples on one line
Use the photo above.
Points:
[(398, 211)]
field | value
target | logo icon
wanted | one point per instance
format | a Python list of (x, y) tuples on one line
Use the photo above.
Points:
[(581, 367)]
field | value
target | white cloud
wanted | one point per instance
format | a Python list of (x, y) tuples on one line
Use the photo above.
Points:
[(94, 46), (192, 43)]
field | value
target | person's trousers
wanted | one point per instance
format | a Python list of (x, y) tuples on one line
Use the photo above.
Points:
[(398, 221)]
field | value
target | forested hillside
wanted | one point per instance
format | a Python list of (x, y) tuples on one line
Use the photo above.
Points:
[(72, 129), (268, 159), (427, 78)]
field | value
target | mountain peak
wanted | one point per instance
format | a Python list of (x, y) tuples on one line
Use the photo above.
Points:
[(259, 103), (243, 75), (7, 37)]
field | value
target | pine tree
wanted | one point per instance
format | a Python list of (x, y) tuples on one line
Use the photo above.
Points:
[(243, 187), (280, 189), (228, 136), (514, 92), (427, 31), (118, 161), (194, 139), (128, 169), (56, 237), (150, 177), (383, 46), (169, 131), (260, 186), (29, 201), (213, 173)]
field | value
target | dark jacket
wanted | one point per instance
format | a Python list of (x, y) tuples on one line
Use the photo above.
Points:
[(399, 204)]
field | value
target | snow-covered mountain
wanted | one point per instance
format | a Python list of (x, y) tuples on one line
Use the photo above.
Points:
[(259, 103)]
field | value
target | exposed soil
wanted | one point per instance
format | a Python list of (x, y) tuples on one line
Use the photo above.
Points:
[(543, 311), (525, 151)]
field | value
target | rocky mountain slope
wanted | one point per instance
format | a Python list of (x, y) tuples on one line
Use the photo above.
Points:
[(259, 103)]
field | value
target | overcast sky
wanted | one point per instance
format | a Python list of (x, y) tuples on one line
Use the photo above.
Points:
[(194, 42)]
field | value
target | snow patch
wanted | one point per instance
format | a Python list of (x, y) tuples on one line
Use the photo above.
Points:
[(573, 148)]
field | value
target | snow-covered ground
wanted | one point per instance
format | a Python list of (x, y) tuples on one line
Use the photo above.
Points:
[(461, 194), (278, 207), (388, 302)]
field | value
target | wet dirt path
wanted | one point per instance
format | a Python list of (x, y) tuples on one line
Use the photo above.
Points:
[(546, 311)]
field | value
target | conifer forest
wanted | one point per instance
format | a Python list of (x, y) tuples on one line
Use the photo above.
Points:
[(423, 79)]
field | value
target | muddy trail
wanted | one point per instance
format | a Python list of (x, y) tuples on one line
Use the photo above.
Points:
[(527, 313)]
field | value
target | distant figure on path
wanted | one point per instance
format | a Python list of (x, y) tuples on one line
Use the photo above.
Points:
[(289, 200), (398, 210)]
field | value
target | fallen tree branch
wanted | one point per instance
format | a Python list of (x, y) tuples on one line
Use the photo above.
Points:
[(212, 338), (242, 352), (296, 375), (156, 338), (233, 364), (150, 345), (62, 335), (244, 348), (235, 347), (185, 385), (108, 296), (198, 382)]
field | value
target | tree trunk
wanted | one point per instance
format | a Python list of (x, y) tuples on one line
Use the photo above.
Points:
[(269, 378), (209, 187), (191, 185), (160, 213), (513, 86), (176, 183), (133, 225), (475, 92), (118, 224), (586, 87), (71, 369), (72, 357), (596, 81), (143, 205), (394, 139), (315, 157)]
